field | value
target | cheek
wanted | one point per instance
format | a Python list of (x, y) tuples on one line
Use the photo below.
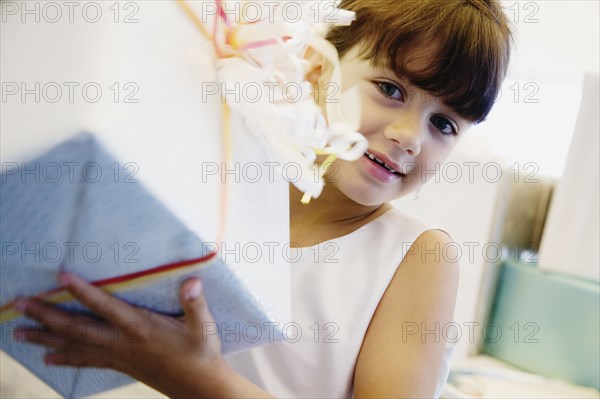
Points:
[(433, 156), (372, 119)]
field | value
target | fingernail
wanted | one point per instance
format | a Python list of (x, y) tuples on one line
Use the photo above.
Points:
[(20, 306), (194, 291), (63, 279)]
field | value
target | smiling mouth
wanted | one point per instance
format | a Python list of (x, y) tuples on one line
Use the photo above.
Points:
[(379, 162)]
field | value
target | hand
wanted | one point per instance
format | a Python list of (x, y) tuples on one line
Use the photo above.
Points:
[(155, 349)]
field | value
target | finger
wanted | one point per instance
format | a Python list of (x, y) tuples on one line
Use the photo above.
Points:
[(78, 356), (99, 302), (67, 325), (40, 337), (194, 305)]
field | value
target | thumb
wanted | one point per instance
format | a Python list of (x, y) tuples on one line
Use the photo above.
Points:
[(194, 304)]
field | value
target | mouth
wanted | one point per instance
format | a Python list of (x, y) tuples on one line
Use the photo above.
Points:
[(380, 162)]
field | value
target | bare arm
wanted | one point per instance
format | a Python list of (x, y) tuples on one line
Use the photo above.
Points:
[(395, 361), (174, 356)]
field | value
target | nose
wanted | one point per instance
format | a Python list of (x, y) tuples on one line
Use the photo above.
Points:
[(406, 134)]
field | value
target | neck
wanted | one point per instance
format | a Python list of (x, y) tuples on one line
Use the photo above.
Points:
[(331, 209)]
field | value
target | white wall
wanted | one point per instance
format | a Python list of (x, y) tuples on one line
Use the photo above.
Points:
[(556, 41)]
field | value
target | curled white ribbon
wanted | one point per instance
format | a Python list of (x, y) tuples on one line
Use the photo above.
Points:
[(268, 55)]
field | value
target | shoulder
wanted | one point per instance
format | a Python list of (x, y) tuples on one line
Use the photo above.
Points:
[(396, 358), (418, 243), (433, 247)]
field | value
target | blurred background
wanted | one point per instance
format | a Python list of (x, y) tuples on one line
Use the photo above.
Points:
[(520, 197)]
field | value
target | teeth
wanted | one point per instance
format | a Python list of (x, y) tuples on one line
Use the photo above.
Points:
[(379, 161)]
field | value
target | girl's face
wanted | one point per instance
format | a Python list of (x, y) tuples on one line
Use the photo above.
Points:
[(410, 132)]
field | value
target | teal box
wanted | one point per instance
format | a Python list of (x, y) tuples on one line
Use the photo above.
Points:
[(546, 323)]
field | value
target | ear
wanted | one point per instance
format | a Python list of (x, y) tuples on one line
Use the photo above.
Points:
[(314, 66)]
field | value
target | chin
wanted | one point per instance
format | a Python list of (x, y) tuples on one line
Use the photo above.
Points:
[(375, 196), (368, 201), (366, 196)]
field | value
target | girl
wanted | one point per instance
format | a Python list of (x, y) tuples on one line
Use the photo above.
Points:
[(425, 70)]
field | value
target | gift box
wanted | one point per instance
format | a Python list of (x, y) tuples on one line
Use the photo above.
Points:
[(143, 192), (99, 229)]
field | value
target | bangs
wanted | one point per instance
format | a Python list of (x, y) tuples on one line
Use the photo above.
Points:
[(463, 47)]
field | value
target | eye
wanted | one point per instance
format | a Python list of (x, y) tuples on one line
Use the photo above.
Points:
[(443, 125), (390, 90)]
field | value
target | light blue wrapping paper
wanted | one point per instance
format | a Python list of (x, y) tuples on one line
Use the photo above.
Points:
[(98, 228)]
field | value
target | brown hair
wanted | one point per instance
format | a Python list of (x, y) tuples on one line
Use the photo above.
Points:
[(472, 41)]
